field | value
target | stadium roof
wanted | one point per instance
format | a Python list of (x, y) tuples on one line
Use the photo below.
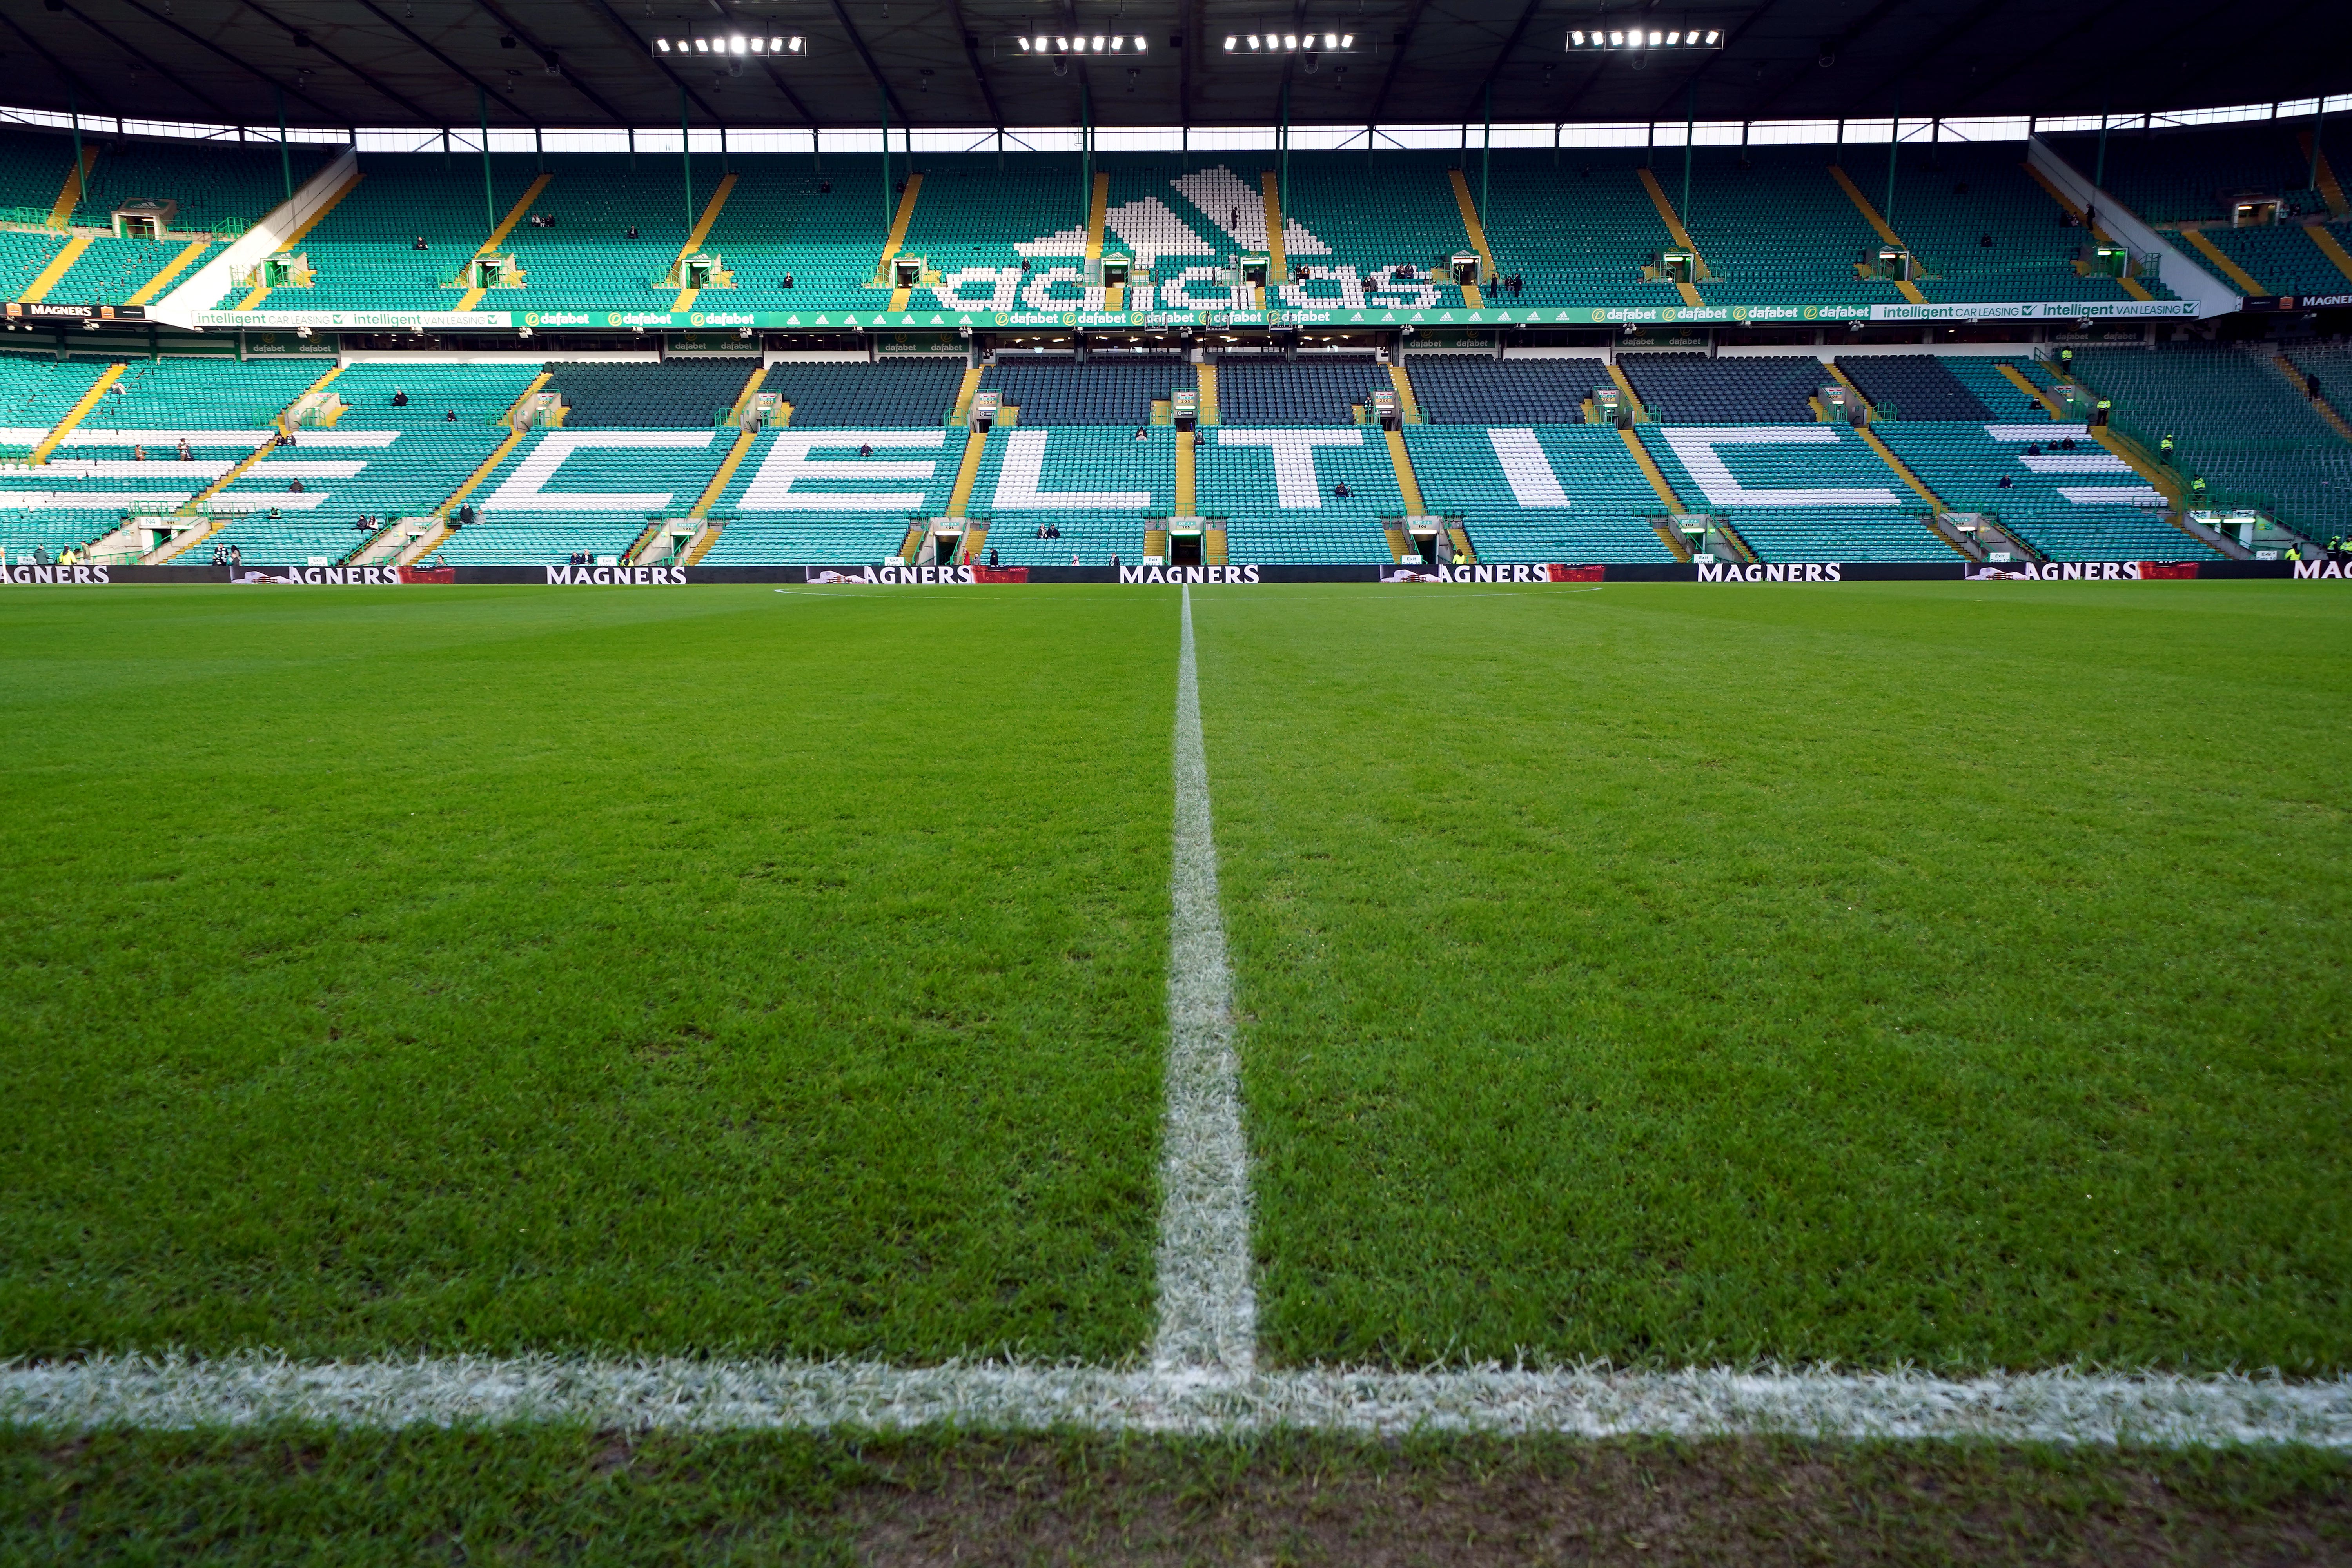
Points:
[(959, 63)]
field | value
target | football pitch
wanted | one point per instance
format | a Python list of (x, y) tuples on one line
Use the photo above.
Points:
[(1863, 977)]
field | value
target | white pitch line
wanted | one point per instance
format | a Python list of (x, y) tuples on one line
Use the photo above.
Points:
[(2063, 1407), (1208, 1306)]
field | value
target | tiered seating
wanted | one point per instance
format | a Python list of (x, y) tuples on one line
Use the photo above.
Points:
[(1914, 386), (216, 182), (1557, 492), (110, 270), (827, 395), (808, 496), (1102, 392), (970, 218), (1774, 228), (213, 394), (678, 394), (592, 490), (2329, 365), (1270, 391), (1693, 389), (1983, 380), (2169, 176), (2238, 424), (1950, 199), (35, 393), (23, 256), (1095, 484), (1276, 490), (587, 257), (378, 461), (2283, 258), (1577, 231), (94, 477), (1810, 493), (362, 250), (1339, 216), (821, 229), (1466, 389), (33, 165), (2082, 504), (1150, 217)]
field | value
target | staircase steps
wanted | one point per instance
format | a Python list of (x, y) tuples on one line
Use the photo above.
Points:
[(1477, 234), (2331, 249), (699, 545), (59, 264), (891, 247), (76, 415), (964, 395), (1903, 285), (736, 453), (1408, 405), (1277, 265), (2218, 258), (1187, 476), (1208, 384), (2319, 406), (1651, 472), (1626, 389), (473, 297), (967, 473), (2328, 187), (2131, 286), (1463, 550), (1674, 230), (173, 269), (2024, 383), (685, 301), (253, 300), (1407, 484), (69, 194)]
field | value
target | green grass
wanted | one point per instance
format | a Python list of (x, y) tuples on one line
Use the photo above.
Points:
[(709, 970), (565, 1495), (1932, 973), (1866, 973)]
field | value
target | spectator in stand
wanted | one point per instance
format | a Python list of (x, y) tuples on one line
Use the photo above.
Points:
[(138, 453), (296, 489), (236, 556), (417, 244), (399, 398), (991, 558), (185, 456), (1341, 492)]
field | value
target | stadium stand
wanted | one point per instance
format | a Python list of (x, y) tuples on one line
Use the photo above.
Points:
[(1343, 225), (1277, 491), (832, 395), (1102, 392), (2239, 425), (1984, 229), (1556, 492), (808, 496), (674, 394), (1913, 386), (2081, 503), (363, 251), (1774, 227), (1475, 389), (1810, 492), (378, 461), (1693, 389), (1093, 484), (35, 393), (1266, 390), (2285, 257), (1576, 232), (971, 219), (785, 221), (219, 186), (2170, 175), (587, 255), (592, 492)]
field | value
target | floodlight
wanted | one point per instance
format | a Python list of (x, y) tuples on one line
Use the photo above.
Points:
[(1616, 38), (1330, 40), (1230, 42), (661, 46), (1253, 41)]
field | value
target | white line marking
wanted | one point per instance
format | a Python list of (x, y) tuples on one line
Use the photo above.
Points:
[(2033, 1408), (1208, 1306)]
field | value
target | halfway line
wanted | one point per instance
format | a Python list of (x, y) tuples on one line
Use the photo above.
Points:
[(1208, 1306)]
